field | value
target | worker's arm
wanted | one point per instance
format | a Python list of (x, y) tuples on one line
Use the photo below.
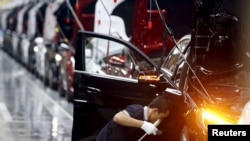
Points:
[(124, 119)]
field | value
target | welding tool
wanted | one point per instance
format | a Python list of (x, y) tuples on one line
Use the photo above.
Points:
[(156, 123)]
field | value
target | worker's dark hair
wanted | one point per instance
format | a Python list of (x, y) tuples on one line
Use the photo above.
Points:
[(161, 103)]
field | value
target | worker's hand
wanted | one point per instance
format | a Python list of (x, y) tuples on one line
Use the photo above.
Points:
[(149, 128)]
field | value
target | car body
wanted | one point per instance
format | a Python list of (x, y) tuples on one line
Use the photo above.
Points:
[(202, 76), (10, 19), (1, 39), (85, 13), (32, 48), (115, 16), (43, 58), (8, 13), (97, 93), (32, 31), (19, 30), (4, 16)]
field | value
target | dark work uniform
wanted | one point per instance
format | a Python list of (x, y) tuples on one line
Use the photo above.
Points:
[(115, 132)]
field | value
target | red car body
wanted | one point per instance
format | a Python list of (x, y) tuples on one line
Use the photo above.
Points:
[(148, 31)]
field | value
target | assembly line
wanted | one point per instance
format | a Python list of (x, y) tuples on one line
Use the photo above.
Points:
[(28, 111), (89, 59)]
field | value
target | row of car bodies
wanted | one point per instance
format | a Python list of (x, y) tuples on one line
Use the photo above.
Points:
[(144, 28), (119, 18), (205, 75), (48, 30)]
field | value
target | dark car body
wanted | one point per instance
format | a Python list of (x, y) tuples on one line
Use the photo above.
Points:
[(148, 39), (204, 76), (98, 96)]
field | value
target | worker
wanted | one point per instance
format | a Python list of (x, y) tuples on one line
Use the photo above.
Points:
[(135, 121)]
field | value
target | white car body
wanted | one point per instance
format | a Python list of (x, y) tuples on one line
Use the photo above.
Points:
[(105, 23), (14, 42), (48, 35), (3, 26), (31, 30), (1, 38), (4, 19), (19, 29), (39, 51), (20, 20)]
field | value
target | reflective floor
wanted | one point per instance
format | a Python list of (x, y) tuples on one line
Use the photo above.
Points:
[(28, 110)]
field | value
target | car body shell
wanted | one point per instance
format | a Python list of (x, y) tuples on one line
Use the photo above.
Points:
[(196, 76)]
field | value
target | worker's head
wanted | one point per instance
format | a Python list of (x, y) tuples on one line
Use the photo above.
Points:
[(159, 108)]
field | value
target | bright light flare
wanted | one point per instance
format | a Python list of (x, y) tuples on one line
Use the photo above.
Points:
[(72, 59), (211, 116), (58, 57), (35, 48)]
